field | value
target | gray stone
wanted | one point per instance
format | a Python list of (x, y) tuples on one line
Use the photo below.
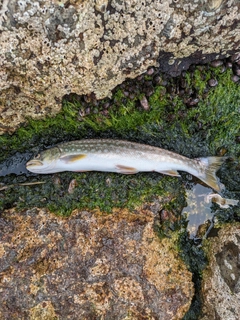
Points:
[(53, 48), (221, 279)]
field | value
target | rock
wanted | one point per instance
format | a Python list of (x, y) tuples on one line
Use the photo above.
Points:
[(216, 63), (72, 185), (150, 71), (91, 265), (212, 82), (144, 103), (53, 48), (235, 78), (221, 279), (236, 69)]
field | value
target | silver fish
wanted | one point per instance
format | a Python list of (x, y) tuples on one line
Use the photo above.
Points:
[(122, 157)]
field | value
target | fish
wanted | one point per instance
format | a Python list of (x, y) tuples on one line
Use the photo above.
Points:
[(124, 157)]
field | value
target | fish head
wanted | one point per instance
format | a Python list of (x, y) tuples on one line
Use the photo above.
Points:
[(45, 162)]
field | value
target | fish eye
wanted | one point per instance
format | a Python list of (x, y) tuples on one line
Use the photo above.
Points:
[(38, 156)]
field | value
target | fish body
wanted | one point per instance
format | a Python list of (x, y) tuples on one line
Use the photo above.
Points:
[(122, 157)]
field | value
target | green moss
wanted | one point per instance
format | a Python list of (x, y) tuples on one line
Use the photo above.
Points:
[(95, 190), (199, 82), (169, 123)]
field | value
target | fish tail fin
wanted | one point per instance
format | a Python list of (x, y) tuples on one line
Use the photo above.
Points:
[(209, 166)]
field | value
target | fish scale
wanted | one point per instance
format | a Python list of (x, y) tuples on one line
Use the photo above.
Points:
[(122, 156), (111, 146)]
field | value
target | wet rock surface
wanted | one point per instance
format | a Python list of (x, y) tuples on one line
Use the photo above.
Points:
[(53, 48), (88, 266), (221, 279)]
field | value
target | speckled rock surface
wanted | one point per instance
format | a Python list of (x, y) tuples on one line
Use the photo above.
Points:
[(53, 48), (89, 266), (221, 279)]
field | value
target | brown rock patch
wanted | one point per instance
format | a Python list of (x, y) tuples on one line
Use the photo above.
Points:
[(89, 265)]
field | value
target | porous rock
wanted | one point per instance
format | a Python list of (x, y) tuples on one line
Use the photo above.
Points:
[(221, 279), (89, 266), (53, 48)]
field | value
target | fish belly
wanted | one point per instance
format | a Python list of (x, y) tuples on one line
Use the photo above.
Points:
[(120, 164)]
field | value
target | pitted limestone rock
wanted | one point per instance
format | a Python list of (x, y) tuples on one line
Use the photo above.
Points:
[(53, 48), (221, 279), (89, 266)]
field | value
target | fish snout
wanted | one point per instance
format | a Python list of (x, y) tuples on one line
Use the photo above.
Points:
[(33, 163)]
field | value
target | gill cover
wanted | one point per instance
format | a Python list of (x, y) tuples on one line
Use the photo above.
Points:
[(45, 161)]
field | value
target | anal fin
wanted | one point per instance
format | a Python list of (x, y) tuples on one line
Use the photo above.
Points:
[(126, 169), (173, 173)]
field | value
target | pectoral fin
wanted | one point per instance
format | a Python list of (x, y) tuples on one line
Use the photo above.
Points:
[(73, 158), (173, 173), (125, 169)]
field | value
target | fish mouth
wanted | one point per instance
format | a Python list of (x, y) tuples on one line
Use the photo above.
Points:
[(33, 163)]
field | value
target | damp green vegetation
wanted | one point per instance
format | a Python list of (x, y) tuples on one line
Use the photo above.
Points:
[(196, 260), (211, 127), (93, 190)]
